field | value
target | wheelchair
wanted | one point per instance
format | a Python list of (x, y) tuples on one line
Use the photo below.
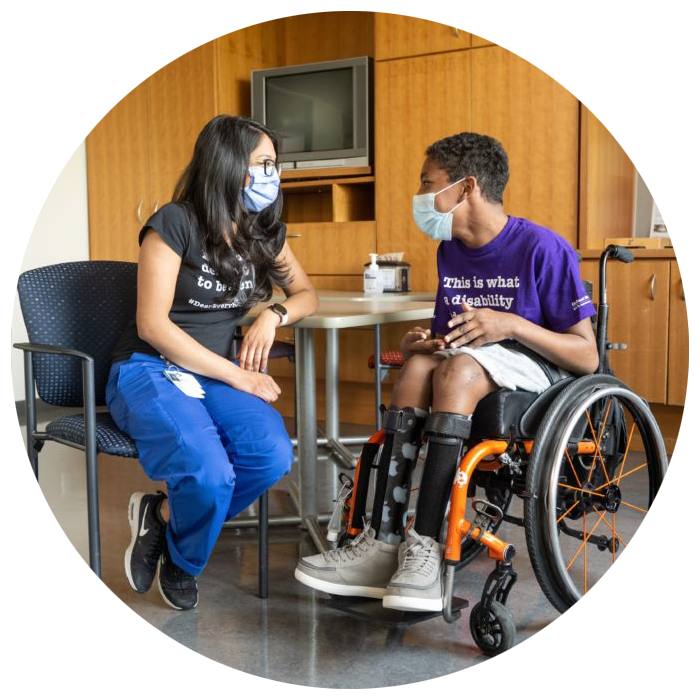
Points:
[(567, 453)]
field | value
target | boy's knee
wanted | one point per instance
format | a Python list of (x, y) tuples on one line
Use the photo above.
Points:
[(281, 455), (460, 370), (417, 367)]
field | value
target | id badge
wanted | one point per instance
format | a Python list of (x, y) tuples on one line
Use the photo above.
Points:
[(185, 382)]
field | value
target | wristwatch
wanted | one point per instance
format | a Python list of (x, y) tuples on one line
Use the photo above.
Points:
[(280, 311)]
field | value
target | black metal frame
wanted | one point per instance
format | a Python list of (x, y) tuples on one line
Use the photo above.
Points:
[(36, 440)]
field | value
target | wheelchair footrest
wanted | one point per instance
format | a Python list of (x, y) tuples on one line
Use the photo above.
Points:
[(371, 610)]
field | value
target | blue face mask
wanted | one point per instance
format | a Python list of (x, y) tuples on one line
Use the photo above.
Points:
[(433, 223), (262, 190)]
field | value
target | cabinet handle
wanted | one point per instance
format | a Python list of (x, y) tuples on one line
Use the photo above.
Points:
[(293, 235), (682, 293), (155, 209), (456, 31), (651, 286), (138, 213)]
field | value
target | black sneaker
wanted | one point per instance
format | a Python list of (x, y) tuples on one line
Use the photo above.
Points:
[(178, 588), (147, 539)]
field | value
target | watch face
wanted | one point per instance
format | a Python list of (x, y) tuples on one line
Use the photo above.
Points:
[(280, 309)]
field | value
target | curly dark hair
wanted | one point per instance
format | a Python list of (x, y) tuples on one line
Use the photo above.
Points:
[(473, 155)]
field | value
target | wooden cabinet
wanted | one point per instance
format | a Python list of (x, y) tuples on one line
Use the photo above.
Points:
[(638, 296), (398, 36), (677, 340), (137, 152)]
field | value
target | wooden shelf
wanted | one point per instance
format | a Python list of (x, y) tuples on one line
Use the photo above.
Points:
[(319, 185), (316, 173)]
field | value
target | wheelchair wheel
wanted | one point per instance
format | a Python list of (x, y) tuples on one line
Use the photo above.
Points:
[(493, 630), (586, 508)]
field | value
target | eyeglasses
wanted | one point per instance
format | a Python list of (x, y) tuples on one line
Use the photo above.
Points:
[(269, 166)]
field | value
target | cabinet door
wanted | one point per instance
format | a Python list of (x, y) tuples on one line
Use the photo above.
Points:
[(397, 36), (638, 297), (118, 178), (419, 100), (536, 120), (181, 102), (677, 340)]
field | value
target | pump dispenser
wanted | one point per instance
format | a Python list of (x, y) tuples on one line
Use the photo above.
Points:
[(373, 283)]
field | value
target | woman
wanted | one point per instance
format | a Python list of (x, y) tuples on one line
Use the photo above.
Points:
[(200, 420)]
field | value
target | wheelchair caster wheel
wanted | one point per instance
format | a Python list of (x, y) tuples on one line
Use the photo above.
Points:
[(493, 630)]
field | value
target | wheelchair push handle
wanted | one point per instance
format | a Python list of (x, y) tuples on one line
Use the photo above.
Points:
[(623, 255)]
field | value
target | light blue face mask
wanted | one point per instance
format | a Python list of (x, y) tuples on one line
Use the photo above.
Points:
[(433, 223), (262, 190)]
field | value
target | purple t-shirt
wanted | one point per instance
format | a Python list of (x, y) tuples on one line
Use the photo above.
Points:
[(526, 270)]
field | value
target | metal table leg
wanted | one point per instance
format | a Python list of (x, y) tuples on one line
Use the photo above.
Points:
[(332, 397), (306, 425), (377, 375)]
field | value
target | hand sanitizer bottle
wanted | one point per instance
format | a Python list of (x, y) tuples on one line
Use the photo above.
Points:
[(373, 283)]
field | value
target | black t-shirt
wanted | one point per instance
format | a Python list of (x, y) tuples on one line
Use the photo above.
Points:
[(194, 308)]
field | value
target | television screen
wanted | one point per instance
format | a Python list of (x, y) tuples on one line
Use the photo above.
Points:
[(311, 111)]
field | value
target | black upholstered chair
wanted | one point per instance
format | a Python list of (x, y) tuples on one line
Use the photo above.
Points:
[(74, 314)]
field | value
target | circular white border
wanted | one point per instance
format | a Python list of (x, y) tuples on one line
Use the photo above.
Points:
[(66, 64)]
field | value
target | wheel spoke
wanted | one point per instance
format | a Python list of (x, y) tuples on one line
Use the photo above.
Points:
[(629, 442), (563, 515), (629, 505), (612, 529), (597, 450), (617, 478), (573, 469), (583, 544), (575, 488), (585, 558)]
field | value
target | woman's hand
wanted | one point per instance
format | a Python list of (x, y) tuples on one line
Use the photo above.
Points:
[(474, 327), (416, 341), (257, 342), (262, 385)]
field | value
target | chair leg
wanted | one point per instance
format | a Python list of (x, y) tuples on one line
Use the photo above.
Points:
[(93, 500), (262, 545), (30, 413)]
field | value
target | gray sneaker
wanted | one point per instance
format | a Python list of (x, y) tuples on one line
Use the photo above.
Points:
[(362, 567), (417, 583)]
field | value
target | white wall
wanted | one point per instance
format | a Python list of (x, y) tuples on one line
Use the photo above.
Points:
[(60, 235)]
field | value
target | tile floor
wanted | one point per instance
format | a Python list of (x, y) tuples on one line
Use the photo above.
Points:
[(294, 635)]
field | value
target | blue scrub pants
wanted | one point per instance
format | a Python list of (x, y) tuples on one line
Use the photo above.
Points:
[(217, 454)]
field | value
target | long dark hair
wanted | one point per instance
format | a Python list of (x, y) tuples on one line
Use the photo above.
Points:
[(211, 186)]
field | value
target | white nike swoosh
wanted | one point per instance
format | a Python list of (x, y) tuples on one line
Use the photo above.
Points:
[(143, 532)]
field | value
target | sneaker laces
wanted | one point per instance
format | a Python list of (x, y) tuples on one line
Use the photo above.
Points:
[(353, 550), (418, 557)]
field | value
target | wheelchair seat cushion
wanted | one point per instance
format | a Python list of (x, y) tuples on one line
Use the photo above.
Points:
[(110, 439), (498, 414)]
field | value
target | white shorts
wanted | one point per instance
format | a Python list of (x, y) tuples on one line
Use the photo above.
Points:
[(508, 368)]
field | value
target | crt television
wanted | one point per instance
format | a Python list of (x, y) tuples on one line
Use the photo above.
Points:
[(320, 112)]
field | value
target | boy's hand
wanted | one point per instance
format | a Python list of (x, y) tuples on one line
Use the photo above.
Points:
[(416, 341), (474, 327)]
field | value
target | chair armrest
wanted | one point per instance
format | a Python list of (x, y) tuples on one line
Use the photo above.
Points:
[(51, 350)]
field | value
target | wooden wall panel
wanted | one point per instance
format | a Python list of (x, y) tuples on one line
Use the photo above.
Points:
[(181, 102), (422, 100), (399, 36), (119, 177), (327, 36), (608, 186), (536, 120)]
